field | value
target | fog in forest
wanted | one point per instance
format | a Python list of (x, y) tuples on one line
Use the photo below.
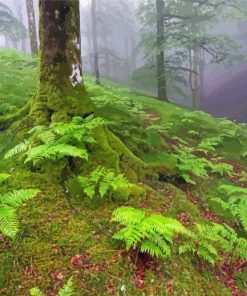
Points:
[(125, 31)]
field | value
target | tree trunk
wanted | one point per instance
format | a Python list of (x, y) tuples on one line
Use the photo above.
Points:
[(134, 52), (90, 51), (95, 42), (32, 27), (21, 19), (194, 77), (60, 93), (160, 56), (107, 59), (202, 76)]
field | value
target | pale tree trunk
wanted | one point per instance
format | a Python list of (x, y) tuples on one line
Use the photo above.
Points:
[(160, 56), (90, 50), (107, 60), (202, 76), (60, 93), (194, 77), (133, 54), (126, 57), (21, 19), (32, 27), (95, 42)]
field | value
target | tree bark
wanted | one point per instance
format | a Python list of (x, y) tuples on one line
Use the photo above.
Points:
[(21, 19), (32, 27), (107, 59), (60, 93), (194, 77), (95, 42), (160, 56)]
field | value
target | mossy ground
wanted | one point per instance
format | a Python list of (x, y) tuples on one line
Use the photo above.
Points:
[(56, 226)]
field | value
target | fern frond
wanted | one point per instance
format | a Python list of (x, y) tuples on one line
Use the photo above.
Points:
[(3, 178), (20, 148), (152, 249), (128, 215), (17, 197), (9, 224), (68, 289), (36, 292)]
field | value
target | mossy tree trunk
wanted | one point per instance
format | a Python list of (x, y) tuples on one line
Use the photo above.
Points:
[(60, 92)]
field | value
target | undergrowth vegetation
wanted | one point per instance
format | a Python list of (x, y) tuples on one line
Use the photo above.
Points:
[(193, 212)]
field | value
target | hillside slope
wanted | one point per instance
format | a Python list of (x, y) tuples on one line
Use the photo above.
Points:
[(189, 156)]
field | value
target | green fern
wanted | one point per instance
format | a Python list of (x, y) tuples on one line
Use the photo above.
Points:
[(209, 144), (101, 180), (58, 141), (149, 234), (20, 148), (9, 203), (67, 290), (234, 199), (208, 240), (191, 166), (36, 292), (3, 178)]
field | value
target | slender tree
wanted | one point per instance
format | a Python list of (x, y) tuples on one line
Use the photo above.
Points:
[(160, 55), (95, 42), (32, 27), (21, 19)]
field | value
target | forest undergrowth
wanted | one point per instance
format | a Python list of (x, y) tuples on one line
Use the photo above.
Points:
[(178, 226)]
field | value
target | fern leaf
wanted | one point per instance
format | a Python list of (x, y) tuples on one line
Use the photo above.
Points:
[(68, 289), (128, 215), (9, 224), (17, 197), (22, 147), (3, 178), (36, 292)]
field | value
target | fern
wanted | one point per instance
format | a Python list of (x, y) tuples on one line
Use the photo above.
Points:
[(22, 147), (36, 292), (190, 165), (234, 199), (58, 141), (149, 234), (101, 180), (3, 178), (67, 290), (208, 240), (209, 144), (9, 203)]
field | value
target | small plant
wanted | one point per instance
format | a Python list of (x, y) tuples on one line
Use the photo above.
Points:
[(67, 290), (9, 203), (207, 240), (190, 165), (236, 202), (101, 180), (3, 178), (57, 141), (148, 234), (209, 144)]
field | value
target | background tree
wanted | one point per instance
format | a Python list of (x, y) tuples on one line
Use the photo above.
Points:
[(95, 42), (32, 27), (10, 27)]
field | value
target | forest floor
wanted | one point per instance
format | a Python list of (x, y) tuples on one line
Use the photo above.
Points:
[(64, 235)]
